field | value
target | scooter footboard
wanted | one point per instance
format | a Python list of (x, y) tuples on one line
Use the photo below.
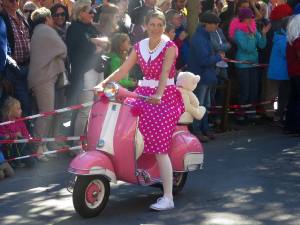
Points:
[(93, 163)]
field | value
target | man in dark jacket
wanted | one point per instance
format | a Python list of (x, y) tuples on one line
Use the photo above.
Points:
[(202, 61)]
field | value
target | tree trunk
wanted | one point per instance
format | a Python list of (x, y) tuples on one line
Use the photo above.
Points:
[(193, 12)]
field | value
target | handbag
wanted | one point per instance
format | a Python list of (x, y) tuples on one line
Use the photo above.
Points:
[(62, 80)]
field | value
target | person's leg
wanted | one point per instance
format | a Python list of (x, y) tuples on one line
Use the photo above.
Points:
[(283, 96), (207, 104), (8, 170), (291, 108), (55, 129), (45, 101), (2, 175), (198, 126), (91, 79), (21, 91), (243, 77), (166, 174), (253, 85), (297, 105)]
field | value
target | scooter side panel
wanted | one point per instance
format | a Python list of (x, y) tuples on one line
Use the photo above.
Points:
[(124, 145), (95, 122), (185, 145), (91, 163)]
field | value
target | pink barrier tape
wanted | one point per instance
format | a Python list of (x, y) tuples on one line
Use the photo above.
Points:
[(65, 149), (50, 113), (30, 140), (245, 106), (246, 62)]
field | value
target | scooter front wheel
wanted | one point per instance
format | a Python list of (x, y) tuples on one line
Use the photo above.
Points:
[(90, 195)]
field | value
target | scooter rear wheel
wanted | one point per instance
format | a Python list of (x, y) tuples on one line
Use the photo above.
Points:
[(179, 181), (90, 195)]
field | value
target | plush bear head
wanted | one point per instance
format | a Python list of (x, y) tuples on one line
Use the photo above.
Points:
[(187, 80)]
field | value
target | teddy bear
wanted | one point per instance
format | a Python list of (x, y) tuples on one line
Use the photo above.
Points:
[(186, 84)]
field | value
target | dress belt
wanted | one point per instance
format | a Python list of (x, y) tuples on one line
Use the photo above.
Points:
[(154, 83)]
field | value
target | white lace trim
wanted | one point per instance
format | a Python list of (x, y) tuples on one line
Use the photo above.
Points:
[(144, 46)]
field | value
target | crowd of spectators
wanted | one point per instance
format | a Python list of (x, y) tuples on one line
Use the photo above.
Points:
[(52, 51)]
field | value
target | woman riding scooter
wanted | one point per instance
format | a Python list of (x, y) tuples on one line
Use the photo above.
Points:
[(160, 113)]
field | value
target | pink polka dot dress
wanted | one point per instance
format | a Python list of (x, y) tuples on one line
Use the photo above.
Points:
[(157, 122)]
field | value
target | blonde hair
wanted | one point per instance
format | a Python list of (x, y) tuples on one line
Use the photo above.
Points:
[(8, 107), (293, 29), (78, 8), (39, 15), (155, 14)]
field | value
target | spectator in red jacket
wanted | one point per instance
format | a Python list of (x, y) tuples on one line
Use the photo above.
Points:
[(293, 62)]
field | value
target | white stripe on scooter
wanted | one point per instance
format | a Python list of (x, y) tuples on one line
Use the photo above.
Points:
[(108, 129)]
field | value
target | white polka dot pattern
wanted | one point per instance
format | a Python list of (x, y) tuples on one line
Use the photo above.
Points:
[(157, 122)]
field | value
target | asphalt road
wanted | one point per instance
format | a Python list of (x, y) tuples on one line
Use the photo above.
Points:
[(251, 177)]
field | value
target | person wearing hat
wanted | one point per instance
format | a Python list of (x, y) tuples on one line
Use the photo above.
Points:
[(247, 39), (202, 60), (278, 80)]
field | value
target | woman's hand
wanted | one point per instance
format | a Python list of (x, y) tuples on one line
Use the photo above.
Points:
[(154, 99), (99, 88), (100, 41), (266, 29)]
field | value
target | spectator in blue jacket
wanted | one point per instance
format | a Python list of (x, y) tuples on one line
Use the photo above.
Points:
[(247, 38), (277, 70), (202, 61)]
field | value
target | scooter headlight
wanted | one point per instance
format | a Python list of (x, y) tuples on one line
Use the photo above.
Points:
[(111, 89)]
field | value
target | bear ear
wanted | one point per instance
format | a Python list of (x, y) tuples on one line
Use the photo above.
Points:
[(197, 78)]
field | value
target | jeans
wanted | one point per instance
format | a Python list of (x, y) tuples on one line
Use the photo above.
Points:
[(249, 85), (203, 93), (21, 92), (293, 108)]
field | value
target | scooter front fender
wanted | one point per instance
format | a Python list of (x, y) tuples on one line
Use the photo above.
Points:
[(93, 163)]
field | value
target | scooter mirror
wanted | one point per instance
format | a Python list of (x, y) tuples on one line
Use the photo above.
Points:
[(111, 89)]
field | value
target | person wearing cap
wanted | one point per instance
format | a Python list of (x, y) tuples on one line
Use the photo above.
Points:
[(247, 39), (278, 80), (202, 60)]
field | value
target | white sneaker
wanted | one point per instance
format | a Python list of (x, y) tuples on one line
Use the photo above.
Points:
[(162, 203)]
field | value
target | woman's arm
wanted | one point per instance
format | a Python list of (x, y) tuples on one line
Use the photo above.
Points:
[(121, 72), (166, 68)]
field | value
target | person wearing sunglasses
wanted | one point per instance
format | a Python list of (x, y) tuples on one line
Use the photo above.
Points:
[(28, 8), (84, 50), (60, 17)]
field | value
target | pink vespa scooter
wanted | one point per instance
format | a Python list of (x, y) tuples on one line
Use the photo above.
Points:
[(115, 152)]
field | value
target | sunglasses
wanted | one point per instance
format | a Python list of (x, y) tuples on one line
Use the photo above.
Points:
[(59, 14), (28, 11)]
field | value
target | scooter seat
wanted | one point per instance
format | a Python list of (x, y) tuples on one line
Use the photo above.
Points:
[(139, 144)]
